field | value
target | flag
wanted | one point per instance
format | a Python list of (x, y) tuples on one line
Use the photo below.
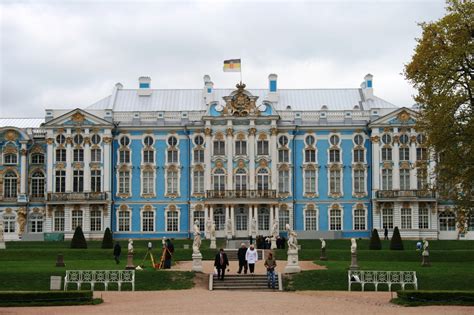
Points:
[(232, 65)]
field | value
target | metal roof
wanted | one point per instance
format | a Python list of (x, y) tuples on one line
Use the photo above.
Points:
[(21, 122)]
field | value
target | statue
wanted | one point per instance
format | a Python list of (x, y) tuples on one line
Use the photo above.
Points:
[(22, 219), (323, 250), (2, 240), (292, 265), (275, 233), (208, 228), (130, 246), (323, 243), (354, 265), (213, 236), (228, 227), (353, 246), (130, 265), (292, 241), (425, 255), (197, 238), (253, 227)]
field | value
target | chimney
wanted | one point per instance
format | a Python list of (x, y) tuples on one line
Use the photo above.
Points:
[(367, 86), (144, 84), (272, 88), (208, 91)]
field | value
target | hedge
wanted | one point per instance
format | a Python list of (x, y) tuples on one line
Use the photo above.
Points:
[(421, 297), (31, 297)]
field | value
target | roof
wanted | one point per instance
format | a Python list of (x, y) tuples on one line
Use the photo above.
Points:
[(193, 99), (21, 122)]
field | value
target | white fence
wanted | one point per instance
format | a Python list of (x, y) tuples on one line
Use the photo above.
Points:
[(382, 277)]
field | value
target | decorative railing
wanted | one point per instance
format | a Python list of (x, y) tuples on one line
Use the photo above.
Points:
[(251, 194), (77, 196), (405, 194)]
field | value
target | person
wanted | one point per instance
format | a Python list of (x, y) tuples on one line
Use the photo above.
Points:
[(117, 252), (169, 250), (251, 256), (385, 233), (241, 255), (270, 264), (250, 239), (221, 262)]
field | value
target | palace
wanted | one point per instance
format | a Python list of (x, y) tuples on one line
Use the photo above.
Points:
[(332, 163)]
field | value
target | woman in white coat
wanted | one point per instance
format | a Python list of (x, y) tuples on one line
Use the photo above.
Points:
[(252, 257)]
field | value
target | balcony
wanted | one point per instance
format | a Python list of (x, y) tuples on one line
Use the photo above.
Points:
[(241, 194), (393, 194), (92, 196)]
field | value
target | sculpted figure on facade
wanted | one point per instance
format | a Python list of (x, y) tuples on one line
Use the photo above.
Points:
[(353, 246), (253, 226), (197, 237), (275, 229), (292, 241), (208, 227), (130, 246)]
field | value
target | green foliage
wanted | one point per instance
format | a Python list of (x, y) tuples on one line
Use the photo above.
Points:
[(415, 298), (107, 240), (396, 241), (78, 240), (375, 243), (30, 298)]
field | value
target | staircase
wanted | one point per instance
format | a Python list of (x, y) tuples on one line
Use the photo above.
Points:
[(232, 254), (243, 282)]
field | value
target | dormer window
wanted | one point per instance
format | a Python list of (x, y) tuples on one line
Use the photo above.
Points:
[(124, 141), (95, 139)]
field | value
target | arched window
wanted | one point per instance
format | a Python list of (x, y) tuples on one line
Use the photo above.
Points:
[(311, 219), (148, 221), (262, 179), (96, 219), (241, 218), (59, 220), (219, 218), (10, 185), (447, 221), (199, 215), (335, 220), (263, 219), (37, 185), (37, 158), (124, 220), (76, 219), (10, 159), (241, 179), (283, 218), (36, 223), (9, 222), (219, 179)]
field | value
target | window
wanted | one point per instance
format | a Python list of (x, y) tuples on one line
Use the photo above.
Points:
[(96, 219), (283, 140), (37, 158), (219, 179), (172, 221), (386, 154), (263, 219), (310, 140), (386, 139), (124, 141), (148, 221), (172, 141), (172, 155), (95, 139), (310, 220), (60, 155), (406, 218), (387, 218), (76, 219), (37, 185), (284, 218), (359, 181), (334, 156), (262, 179), (198, 156), (198, 187), (60, 139), (359, 219), (96, 155), (262, 147), (335, 181), (422, 178), (386, 179), (447, 221), (148, 182), (36, 223), (95, 180), (199, 140), (334, 140), (9, 223), (359, 156), (421, 138), (78, 139), (241, 219), (124, 220), (10, 159), (241, 147), (241, 179), (148, 141), (423, 217), (219, 219), (59, 220), (148, 156), (284, 181), (124, 156), (358, 140), (172, 181), (404, 138), (124, 182), (219, 147), (310, 181), (78, 181), (404, 153), (335, 220), (10, 185), (199, 215), (310, 155), (78, 155), (60, 181), (404, 179), (283, 156), (421, 154)]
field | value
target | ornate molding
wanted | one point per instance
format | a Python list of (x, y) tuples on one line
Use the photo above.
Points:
[(274, 131), (50, 141), (230, 132), (375, 139), (11, 135), (107, 139), (208, 132), (252, 131), (404, 116), (78, 118), (240, 104)]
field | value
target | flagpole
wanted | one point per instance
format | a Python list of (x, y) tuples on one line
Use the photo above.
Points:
[(240, 70)]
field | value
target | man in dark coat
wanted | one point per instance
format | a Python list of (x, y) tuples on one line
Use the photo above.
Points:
[(385, 233), (241, 255), (117, 252), (168, 253), (221, 262)]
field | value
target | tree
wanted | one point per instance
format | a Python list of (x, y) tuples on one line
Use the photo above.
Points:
[(107, 240), (442, 72), (396, 241), (375, 243), (78, 240)]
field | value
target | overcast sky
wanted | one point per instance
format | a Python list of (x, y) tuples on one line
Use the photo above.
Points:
[(68, 54)]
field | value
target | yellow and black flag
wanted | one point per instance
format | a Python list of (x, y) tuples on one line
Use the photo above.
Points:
[(232, 65)]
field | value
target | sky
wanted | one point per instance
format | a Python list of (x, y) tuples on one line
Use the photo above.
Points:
[(69, 54)]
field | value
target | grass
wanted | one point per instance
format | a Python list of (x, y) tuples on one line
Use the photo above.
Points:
[(37, 303)]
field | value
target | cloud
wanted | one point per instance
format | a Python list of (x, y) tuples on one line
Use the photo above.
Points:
[(70, 54)]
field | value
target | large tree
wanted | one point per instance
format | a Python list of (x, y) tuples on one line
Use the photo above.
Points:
[(442, 72)]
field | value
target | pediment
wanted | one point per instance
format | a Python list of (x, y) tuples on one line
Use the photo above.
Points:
[(78, 117), (400, 117)]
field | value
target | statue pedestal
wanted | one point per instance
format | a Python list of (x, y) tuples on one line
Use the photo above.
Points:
[(292, 265), (323, 254), (213, 243), (274, 243), (425, 262), (2, 245), (354, 265), (197, 262), (130, 264), (229, 236)]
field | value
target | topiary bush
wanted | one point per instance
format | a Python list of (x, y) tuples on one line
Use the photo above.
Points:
[(375, 243), (396, 241), (107, 240), (78, 240)]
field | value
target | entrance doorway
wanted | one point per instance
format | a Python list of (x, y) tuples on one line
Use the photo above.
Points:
[(241, 221)]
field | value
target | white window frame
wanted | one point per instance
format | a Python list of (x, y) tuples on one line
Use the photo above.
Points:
[(128, 219), (167, 211), (354, 209), (315, 218), (341, 210), (100, 219), (142, 219)]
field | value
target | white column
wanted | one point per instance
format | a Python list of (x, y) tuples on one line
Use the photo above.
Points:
[(396, 166), (277, 214), (69, 161), (251, 144), (375, 161), (232, 216), (274, 156), (207, 160), (87, 161), (414, 215), (249, 225), (229, 149), (227, 214), (49, 167), (107, 165), (23, 180), (413, 181), (272, 216), (211, 212)]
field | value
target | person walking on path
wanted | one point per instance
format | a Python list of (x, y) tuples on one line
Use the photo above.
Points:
[(270, 264), (252, 257), (242, 261), (221, 262), (117, 252), (169, 251), (385, 233)]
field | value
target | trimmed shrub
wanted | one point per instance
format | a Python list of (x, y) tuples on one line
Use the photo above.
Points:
[(107, 240), (375, 243), (7, 297), (78, 240), (396, 241), (415, 297)]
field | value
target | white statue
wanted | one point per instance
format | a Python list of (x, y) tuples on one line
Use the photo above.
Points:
[(208, 227), (275, 230), (163, 242), (229, 226), (323, 243), (130, 246), (2, 240), (292, 241), (213, 231), (197, 237), (253, 226), (425, 248), (353, 246)]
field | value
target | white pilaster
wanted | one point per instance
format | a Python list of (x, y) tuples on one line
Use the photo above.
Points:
[(87, 167), (274, 155), (49, 167), (229, 149), (414, 215), (375, 160), (252, 155), (232, 216), (107, 158), (396, 166), (69, 152), (23, 170), (207, 160), (272, 216), (277, 214), (250, 219)]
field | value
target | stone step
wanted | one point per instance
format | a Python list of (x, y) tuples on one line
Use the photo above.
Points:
[(242, 282)]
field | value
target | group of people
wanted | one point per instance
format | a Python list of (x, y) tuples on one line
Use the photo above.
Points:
[(264, 242), (168, 247), (247, 257)]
